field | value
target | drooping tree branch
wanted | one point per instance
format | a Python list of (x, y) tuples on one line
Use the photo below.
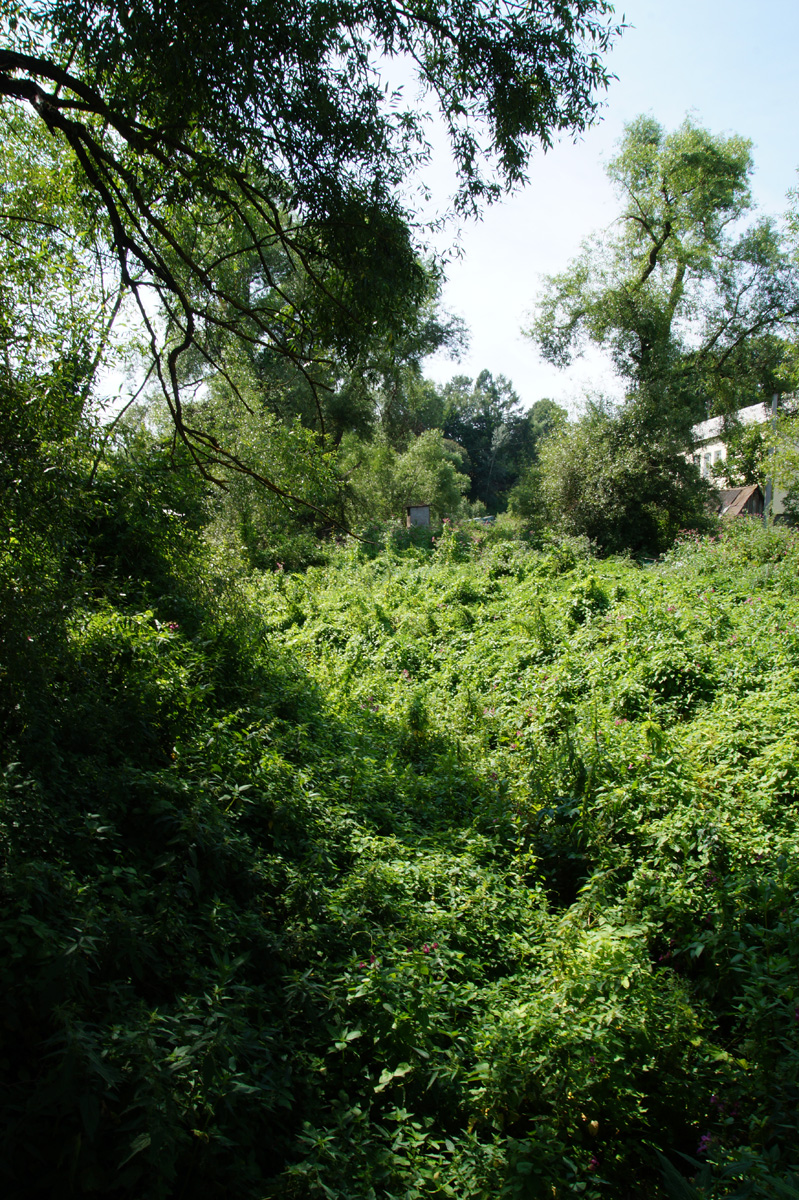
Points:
[(247, 171)]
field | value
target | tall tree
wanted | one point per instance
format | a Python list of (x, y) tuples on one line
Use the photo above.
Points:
[(272, 124), (690, 309), (485, 417)]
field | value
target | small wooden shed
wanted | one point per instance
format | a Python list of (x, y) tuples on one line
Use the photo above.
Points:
[(417, 514), (737, 502)]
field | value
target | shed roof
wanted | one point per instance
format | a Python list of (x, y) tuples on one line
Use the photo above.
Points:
[(735, 500)]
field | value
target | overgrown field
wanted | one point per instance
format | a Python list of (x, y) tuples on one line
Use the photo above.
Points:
[(466, 870)]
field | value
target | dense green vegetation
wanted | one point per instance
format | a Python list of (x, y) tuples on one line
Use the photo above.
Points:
[(254, 174), (692, 308), (337, 860), (456, 868), (699, 317)]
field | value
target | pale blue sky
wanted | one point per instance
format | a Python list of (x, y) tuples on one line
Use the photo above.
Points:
[(731, 64)]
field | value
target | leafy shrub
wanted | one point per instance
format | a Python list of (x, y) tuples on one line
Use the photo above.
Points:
[(678, 677), (626, 492), (587, 599)]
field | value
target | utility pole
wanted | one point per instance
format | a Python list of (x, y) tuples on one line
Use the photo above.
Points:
[(775, 399)]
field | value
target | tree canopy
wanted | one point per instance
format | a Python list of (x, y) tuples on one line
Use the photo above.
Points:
[(692, 310), (247, 161), (612, 479)]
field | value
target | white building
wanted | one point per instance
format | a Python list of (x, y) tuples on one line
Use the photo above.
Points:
[(711, 449)]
